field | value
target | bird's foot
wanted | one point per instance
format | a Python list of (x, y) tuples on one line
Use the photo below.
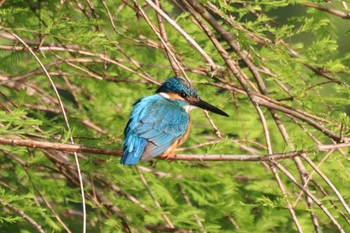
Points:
[(169, 155)]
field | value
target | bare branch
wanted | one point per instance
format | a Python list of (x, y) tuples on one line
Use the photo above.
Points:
[(186, 157), (58, 146), (307, 192), (284, 191), (329, 183), (335, 12), (184, 34), (334, 146)]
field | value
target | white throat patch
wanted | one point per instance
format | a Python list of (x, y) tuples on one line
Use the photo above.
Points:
[(165, 95), (189, 108)]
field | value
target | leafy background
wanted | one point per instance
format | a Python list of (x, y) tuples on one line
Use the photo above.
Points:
[(280, 69)]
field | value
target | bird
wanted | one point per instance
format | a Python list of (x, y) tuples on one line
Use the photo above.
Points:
[(159, 123)]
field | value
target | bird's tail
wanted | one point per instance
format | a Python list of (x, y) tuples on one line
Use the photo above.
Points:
[(133, 149)]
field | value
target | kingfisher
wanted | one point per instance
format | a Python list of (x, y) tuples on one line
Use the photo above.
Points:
[(161, 122)]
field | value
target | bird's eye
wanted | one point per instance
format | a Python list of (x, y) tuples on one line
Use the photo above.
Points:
[(184, 95)]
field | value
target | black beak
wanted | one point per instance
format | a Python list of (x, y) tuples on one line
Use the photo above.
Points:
[(204, 105)]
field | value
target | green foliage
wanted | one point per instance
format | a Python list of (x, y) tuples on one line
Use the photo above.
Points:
[(17, 123), (100, 69)]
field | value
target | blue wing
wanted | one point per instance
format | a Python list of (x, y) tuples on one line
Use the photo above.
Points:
[(155, 124)]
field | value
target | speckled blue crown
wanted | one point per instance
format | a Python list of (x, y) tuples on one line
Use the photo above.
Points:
[(178, 85)]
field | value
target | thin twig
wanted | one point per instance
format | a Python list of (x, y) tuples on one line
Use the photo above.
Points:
[(57, 146), (174, 64), (333, 203), (25, 166), (272, 104), (309, 202), (215, 128), (23, 215), (329, 183), (164, 43), (284, 191), (333, 146), (135, 63), (195, 215), (309, 177), (307, 192), (105, 58), (184, 34), (57, 217), (335, 12), (67, 125), (144, 181)]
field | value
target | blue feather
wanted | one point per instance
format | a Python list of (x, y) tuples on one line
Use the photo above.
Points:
[(155, 124), (132, 154)]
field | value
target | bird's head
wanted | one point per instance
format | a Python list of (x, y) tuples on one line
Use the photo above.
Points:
[(180, 89)]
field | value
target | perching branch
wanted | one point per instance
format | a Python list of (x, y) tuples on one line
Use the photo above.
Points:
[(185, 157), (58, 146)]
